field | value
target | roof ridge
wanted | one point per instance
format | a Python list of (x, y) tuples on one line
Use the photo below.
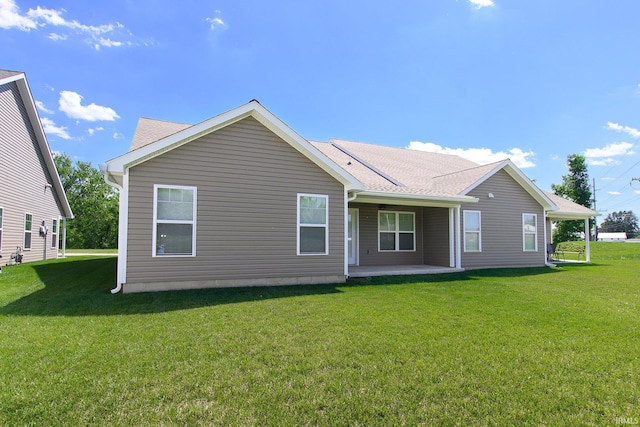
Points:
[(469, 169), (368, 165)]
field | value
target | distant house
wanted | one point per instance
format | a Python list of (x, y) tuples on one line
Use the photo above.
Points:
[(612, 237), (33, 205), (241, 199)]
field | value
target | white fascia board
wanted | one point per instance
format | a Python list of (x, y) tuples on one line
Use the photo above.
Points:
[(253, 109), (520, 178), (563, 216), (34, 118), (388, 198)]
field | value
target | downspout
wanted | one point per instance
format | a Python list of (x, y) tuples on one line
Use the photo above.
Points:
[(105, 174)]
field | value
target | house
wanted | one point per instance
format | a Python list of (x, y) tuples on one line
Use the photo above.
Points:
[(612, 237), (241, 199), (33, 204)]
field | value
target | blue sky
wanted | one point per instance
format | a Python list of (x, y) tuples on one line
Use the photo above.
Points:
[(533, 80)]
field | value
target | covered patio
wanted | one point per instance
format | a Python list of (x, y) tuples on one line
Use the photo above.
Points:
[(399, 270)]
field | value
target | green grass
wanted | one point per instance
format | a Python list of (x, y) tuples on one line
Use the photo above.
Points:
[(90, 251), (533, 346)]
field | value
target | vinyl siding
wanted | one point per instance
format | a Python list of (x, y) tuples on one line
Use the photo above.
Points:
[(23, 175), (436, 236), (501, 225), (368, 235), (247, 182)]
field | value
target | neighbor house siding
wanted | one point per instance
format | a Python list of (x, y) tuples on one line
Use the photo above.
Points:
[(247, 181), (501, 224), (24, 175), (368, 234), (436, 236)]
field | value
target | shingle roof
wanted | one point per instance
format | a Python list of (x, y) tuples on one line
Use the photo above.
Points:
[(8, 73), (389, 169), (567, 206), (400, 170), (151, 130)]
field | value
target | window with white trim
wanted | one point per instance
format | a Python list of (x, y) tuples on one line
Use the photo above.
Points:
[(396, 231), (313, 224), (472, 231), (174, 220), (530, 232), (54, 233), (28, 223)]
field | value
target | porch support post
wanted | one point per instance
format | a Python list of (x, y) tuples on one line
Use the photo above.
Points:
[(459, 239), (452, 238), (587, 239)]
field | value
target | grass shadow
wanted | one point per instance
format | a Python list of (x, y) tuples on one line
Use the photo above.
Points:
[(81, 287)]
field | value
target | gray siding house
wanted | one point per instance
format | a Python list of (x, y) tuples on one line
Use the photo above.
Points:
[(243, 200), (33, 205)]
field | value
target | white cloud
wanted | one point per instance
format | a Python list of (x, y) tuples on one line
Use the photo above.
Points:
[(614, 193), (521, 158), (605, 156), (42, 108), (608, 178), (57, 37), (71, 105), (10, 17), (633, 132), (91, 131), (636, 191), (51, 128), (479, 4), (216, 21), (33, 19), (117, 135), (609, 150), (602, 162)]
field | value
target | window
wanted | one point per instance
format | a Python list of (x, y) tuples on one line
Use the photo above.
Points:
[(530, 232), (313, 226), (28, 221), (396, 231), (174, 220), (54, 233), (472, 235), (1, 213)]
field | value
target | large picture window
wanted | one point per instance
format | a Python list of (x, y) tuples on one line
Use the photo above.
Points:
[(313, 224), (472, 231), (396, 231), (174, 220), (530, 232), (28, 223)]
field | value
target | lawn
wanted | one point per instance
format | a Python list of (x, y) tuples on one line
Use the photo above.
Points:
[(537, 346)]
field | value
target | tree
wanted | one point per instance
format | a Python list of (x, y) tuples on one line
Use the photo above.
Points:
[(94, 204), (575, 187), (623, 221)]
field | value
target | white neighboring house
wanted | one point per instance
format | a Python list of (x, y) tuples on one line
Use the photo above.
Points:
[(612, 237)]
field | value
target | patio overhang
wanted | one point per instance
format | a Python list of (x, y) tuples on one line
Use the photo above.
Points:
[(398, 199)]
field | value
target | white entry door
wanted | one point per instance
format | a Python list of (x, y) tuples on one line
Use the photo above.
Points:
[(352, 237)]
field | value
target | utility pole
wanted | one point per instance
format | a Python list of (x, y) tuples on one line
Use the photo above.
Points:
[(595, 219)]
